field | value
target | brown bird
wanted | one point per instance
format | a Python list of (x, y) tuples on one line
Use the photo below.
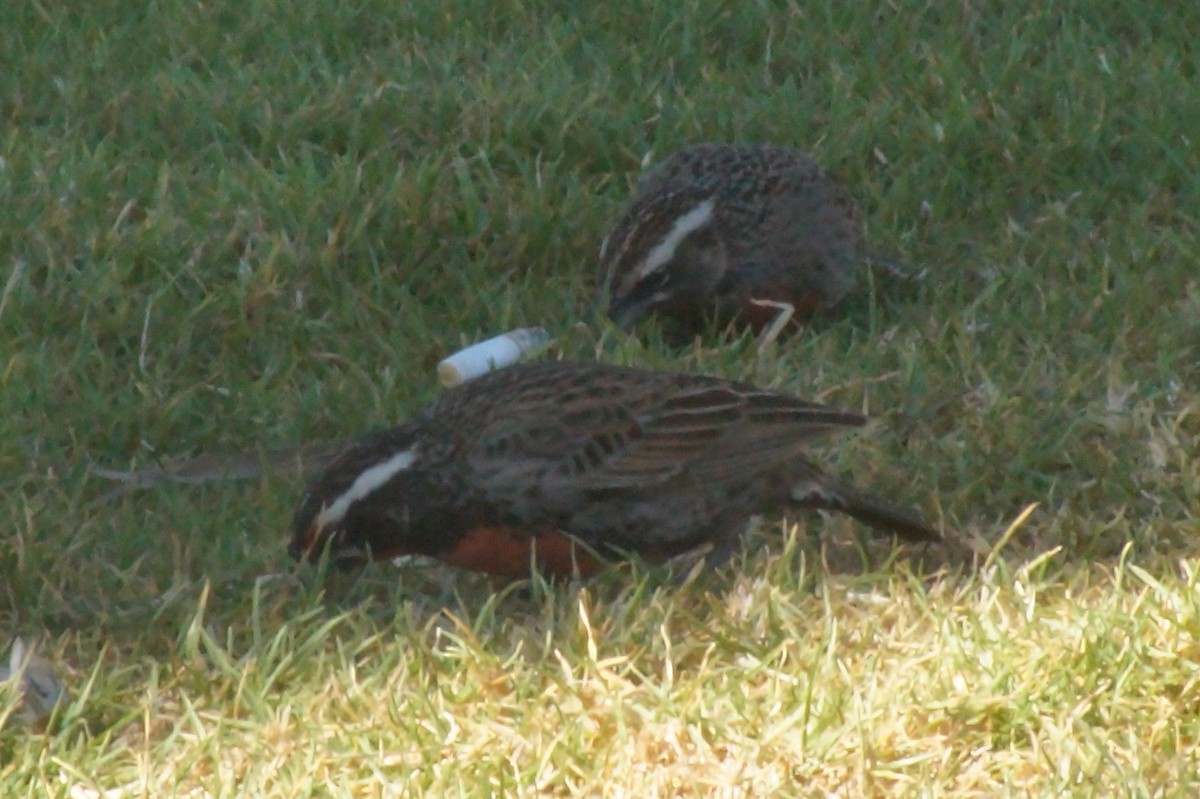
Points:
[(529, 461), (735, 232)]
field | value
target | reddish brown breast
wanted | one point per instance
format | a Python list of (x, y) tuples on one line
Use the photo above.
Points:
[(509, 552)]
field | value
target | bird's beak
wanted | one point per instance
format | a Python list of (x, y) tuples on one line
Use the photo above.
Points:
[(627, 311), (308, 546), (302, 544)]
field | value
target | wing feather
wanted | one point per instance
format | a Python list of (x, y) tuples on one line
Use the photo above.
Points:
[(712, 433)]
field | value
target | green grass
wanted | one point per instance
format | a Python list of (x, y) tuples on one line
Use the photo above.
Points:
[(239, 225)]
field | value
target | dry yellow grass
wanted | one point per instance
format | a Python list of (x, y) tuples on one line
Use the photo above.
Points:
[(1043, 679)]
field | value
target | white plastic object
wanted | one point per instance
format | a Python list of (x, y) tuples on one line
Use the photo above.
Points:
[(495, 353)]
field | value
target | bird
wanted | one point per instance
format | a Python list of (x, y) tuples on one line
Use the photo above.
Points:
[(734, 232), (565, 466)]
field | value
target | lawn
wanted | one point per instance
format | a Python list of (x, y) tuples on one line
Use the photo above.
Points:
[(244, 226)]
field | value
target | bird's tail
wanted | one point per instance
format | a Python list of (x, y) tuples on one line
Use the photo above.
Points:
[(827, 493)]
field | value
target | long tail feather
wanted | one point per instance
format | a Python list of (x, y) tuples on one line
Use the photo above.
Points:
[(826, 493)]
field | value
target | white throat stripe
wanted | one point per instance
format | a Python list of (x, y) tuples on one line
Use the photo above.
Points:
[(366, 482), (693, 220)]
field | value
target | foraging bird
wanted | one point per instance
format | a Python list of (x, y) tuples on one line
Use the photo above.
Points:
[(735, 232), (528, 461)]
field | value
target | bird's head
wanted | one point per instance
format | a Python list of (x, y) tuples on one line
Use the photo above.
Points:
[(666, 255), (358, 507)]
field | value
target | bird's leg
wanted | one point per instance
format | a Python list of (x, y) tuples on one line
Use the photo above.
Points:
[(725, 546), (709, 557), (786, 312)]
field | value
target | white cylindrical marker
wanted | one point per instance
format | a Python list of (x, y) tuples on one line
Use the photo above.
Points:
[(495, 353)]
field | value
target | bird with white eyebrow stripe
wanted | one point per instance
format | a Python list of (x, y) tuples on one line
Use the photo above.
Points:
[(570, 464), (736, 232)]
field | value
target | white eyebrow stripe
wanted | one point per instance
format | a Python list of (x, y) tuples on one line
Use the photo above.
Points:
[(690, 222), (364, 484)]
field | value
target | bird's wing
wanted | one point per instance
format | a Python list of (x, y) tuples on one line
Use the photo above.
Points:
[(557, 431), (701, 434)]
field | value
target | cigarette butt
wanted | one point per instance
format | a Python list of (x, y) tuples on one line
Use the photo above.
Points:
[(495, 353)]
